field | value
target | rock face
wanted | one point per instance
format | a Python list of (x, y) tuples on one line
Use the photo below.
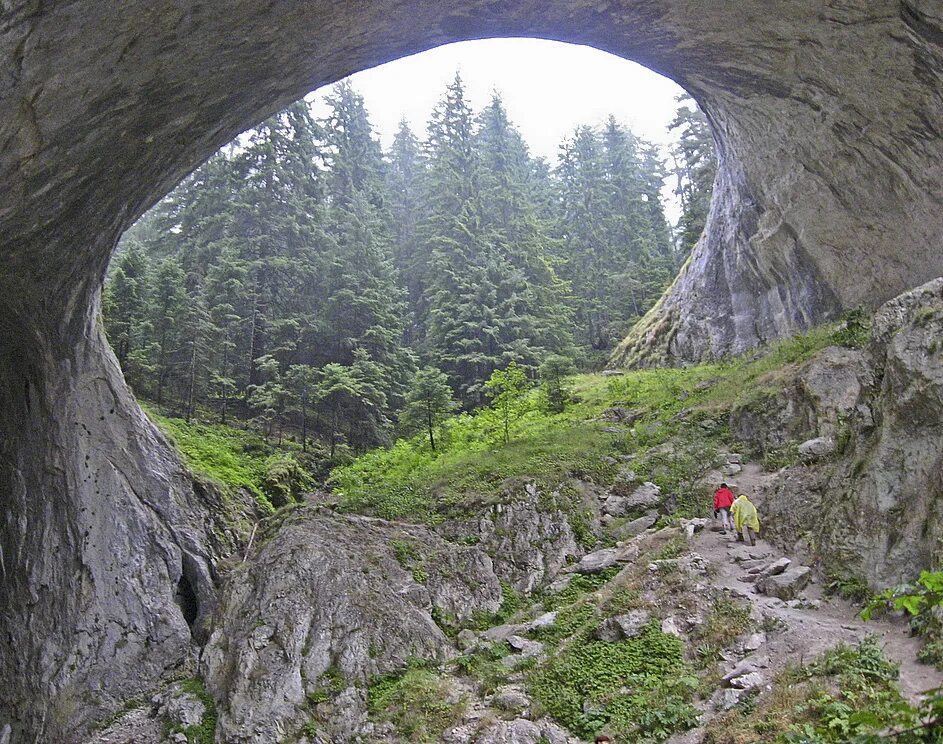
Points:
[(888, 519), (108, 551), (874, 507), (528, 544), (326, 605), (827, 125)]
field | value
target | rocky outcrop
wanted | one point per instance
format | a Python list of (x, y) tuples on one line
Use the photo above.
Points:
[(329, 603), (529, 534), (870, 506), (814, 401), (888, 519), (826, 120), (109, 553)]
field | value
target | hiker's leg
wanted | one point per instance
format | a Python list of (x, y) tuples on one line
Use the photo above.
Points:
[(752, 535), (725, 519)]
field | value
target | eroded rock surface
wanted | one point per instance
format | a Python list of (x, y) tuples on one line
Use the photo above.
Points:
[(827, 124), (328, 604), (870, 502)]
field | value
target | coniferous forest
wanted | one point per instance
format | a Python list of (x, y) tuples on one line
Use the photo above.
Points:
[(308, 283)]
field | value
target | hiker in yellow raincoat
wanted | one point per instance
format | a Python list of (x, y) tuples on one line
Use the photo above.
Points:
[(746, 520)]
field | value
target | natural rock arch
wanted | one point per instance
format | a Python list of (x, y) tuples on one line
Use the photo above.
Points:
[(828, 122)]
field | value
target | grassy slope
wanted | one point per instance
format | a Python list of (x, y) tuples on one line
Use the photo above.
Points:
[(687, 406), (231, 458)]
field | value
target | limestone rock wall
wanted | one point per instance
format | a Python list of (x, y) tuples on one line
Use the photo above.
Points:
[(827, 118), (327, 605), (108, 554), (869, 501)]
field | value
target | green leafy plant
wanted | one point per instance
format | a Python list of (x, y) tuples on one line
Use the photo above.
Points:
[(416, 703)]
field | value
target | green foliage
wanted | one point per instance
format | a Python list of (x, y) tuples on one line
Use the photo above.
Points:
[(848, 694), (416, 704), (637, 688), (405, 551), (484, 663), (410, 480), (285, 479), (687, 407), (569, 620), (853, 588), (580, 585), (674, 548), (918, 600), (921, 601), (204, 731), (428, 402), (553, 373), (507, 390), (855, 331), (510, 604), (231, 457), (728, 619), (932, 653), (695, 167)]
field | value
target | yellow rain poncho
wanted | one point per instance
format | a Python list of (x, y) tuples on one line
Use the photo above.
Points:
[(745, 514)]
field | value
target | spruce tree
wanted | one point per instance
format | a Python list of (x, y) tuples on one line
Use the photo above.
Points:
[(428, 402), (695, 166)]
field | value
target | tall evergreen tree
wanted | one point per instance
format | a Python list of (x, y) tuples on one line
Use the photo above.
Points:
[(364, 307), (695, 166), (406, 199)]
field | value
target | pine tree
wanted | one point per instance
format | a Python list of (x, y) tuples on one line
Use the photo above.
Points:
[(695, 166), (125, 307), (405, 176), (168, 307), (363, 306), (301, 382), (507, 390), (428, 402)]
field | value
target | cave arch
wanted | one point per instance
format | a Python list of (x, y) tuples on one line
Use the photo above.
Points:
[(831, 178)]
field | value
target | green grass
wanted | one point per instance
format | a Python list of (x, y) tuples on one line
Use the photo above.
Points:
[(232, 458), (687, 406), (416, 703)]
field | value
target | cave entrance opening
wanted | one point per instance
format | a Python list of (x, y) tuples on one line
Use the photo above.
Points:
[(544, 153)]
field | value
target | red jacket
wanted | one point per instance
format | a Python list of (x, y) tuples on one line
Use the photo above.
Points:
[(723, 498)]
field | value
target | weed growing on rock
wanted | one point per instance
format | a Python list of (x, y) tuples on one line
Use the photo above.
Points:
[(420, 704), (580, 585), (637, 688), (846, 694), (204, 731)]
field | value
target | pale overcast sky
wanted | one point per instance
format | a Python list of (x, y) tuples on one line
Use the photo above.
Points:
[(548, 87)]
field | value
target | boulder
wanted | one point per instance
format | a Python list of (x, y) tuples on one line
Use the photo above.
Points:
[(754, 641), (819, 448), (748, 681), (466, 639), (529, 543), (511, 700), (773, 569), (543, 621), (622, 627), (521, 731), (327, 600), (672, 626), (646, 496), (597, 561), (727, 698), (786, 585), (633, 528)]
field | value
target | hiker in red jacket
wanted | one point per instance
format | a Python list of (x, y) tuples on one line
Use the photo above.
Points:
[(723, 498)]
